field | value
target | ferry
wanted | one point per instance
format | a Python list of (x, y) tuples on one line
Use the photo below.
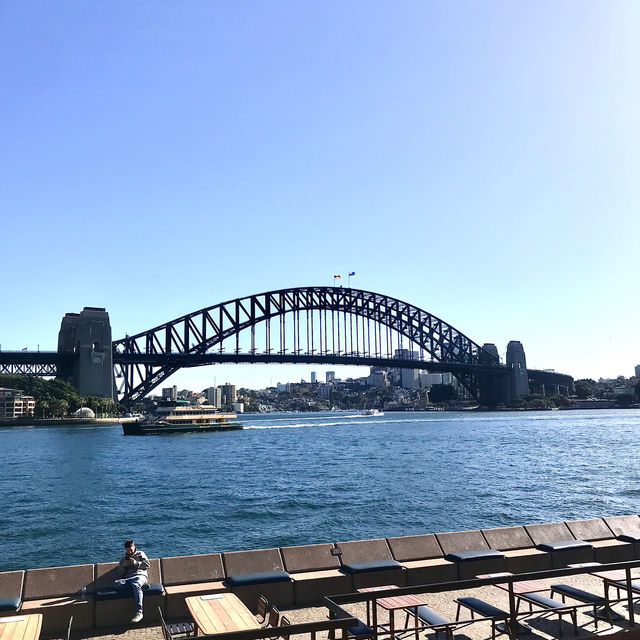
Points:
[(181, 417), (372, 412)]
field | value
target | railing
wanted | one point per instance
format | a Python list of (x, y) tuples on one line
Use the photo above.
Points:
[(370, 598)]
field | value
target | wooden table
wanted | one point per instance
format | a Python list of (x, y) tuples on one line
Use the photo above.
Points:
[(220, 613), (372, 616), (393, 603), (21, 627)]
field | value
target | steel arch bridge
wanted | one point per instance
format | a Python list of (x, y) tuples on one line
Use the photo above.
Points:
[(331, 325)]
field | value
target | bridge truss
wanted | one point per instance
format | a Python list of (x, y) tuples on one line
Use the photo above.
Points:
[(304, 324)]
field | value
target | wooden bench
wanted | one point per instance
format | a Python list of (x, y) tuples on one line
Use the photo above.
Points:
[(485, 610), (548, 604), (567, 591)]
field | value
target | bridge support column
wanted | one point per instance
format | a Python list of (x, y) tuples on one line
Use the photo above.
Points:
[(516, 359), (88, 336)]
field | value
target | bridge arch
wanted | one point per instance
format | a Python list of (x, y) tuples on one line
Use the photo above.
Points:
[(331, 324)]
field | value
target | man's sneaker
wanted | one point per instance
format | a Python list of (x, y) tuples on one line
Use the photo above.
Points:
[(137, 617)]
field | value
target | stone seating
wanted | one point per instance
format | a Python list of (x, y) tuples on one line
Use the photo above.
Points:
[(239, 565), (471, 553), (557, 540), (11, 591), (116, 608), (606, 548), (422, 558), (55, 592), (315, 572), (626, 529), (186, 576), (370, 564), (520, 554)]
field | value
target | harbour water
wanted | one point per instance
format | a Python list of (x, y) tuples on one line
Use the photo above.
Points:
[(71, 495)]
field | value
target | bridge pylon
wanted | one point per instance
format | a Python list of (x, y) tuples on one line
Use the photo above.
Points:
[(87, 335)]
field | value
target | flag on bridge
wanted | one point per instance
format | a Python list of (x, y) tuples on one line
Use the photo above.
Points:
[(337, 277), (352, 273)]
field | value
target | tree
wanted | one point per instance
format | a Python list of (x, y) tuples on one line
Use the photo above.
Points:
[(442, 393), (585, 388)]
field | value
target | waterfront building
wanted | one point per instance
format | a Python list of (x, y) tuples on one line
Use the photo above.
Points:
[(170, 393), (229, 395), (15, 404), (214, 396), (324, 391), (377, 378)]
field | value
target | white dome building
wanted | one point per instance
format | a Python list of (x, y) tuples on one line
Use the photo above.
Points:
[(84, 412)]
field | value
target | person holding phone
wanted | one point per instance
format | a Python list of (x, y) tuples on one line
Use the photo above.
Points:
[(132, 569)]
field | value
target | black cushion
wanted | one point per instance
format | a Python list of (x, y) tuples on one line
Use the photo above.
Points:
[(360, 629), (10, 604), (111, 593), (482, 607), (430, 617), (475, 554), (370, 565), (545, 602), (262, 577), (564, 545), (627, 537), (578, 594)]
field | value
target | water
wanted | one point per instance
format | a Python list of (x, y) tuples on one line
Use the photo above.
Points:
[(71, 495)]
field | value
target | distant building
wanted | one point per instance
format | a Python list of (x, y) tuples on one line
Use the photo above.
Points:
[(427, 380), (314, 379), (214, 396), (331, 376), (377, 378), (283, 386), (170, 393), (324, 391), (228, 393), (14, 404), (637, 370)]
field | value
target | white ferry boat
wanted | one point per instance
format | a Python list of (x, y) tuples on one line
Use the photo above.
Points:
[(182, 417), (372, 412)]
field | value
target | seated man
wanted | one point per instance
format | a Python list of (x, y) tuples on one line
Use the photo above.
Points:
[(133, 574)]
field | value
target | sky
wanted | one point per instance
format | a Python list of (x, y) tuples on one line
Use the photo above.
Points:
[(476, 159)]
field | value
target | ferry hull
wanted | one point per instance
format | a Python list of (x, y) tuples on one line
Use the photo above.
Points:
[(158, 428)]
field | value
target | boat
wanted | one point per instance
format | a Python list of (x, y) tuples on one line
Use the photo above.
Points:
[(372, 412), (181, 417)]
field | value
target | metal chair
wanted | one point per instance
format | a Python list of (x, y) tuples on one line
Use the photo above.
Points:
[(263, 607), (274, 617), (284, 622), (175, 629)]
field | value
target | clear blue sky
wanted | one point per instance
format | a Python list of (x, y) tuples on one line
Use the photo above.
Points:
[(480, 160)]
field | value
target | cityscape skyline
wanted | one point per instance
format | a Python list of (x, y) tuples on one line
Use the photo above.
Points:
[(478, 161)]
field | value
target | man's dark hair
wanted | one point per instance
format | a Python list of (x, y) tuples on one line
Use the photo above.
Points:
[(128, 543)]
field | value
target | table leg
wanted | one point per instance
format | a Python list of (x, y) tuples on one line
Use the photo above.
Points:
[(374, 616), (392, 624), (416, 624)]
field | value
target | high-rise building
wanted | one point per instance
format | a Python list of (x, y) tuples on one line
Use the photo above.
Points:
[(228, 393), (331, 376), (637, 370), (313, 377), (214, 396), (170, 393)]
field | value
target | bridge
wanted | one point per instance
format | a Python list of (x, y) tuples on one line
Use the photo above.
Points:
[(302, 325)]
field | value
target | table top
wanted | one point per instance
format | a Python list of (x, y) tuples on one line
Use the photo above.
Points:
[(521, 586), (614, 575), (401, 602), (21, 627), (382, 588), (220, 613)]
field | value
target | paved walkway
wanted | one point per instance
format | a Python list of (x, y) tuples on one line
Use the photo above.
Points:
[(444, 603)]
